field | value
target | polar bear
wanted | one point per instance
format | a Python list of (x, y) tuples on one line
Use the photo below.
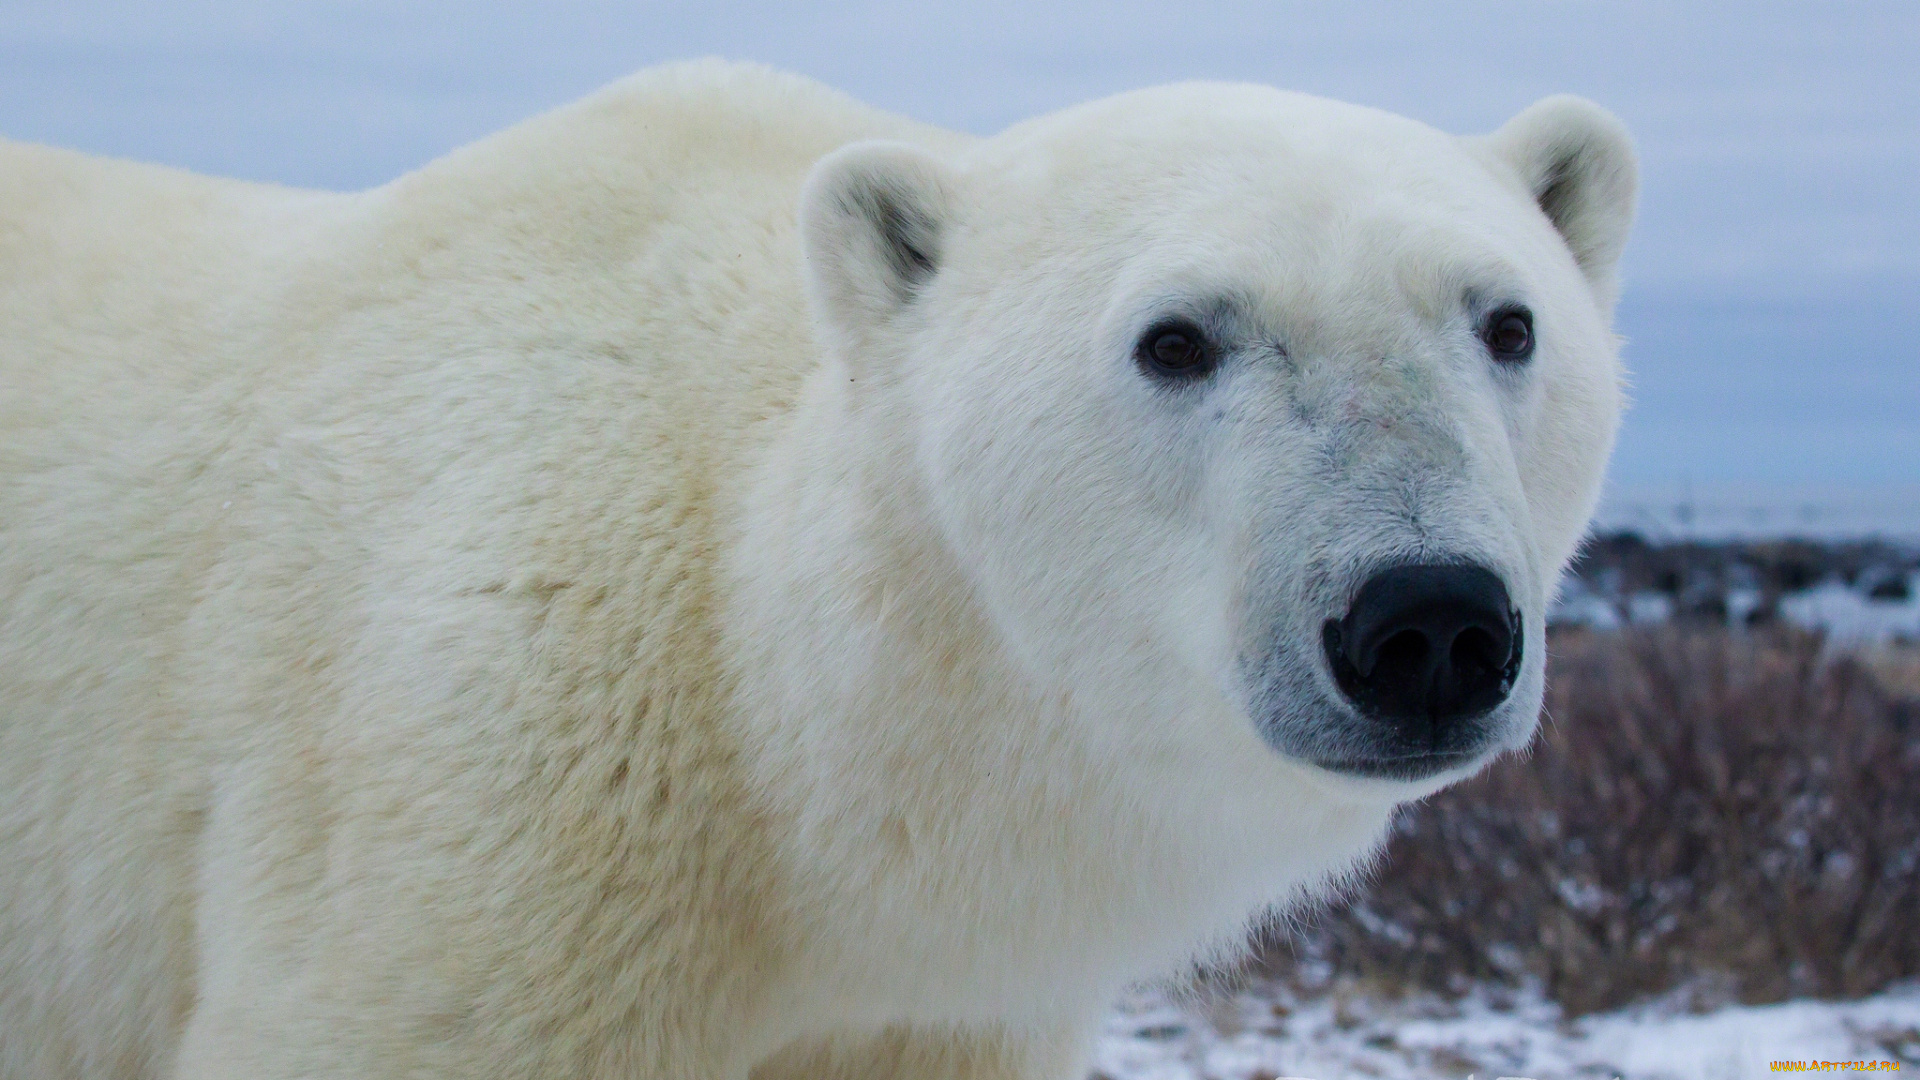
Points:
[(722, 582)]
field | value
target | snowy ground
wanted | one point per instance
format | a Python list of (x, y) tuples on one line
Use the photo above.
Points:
[(1262, 1035)]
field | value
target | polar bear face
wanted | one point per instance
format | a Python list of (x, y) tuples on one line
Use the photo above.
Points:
[(1254, 420)]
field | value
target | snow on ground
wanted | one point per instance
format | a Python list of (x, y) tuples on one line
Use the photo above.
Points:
[(1850, 618), (1267, 1033), (1846, 614)]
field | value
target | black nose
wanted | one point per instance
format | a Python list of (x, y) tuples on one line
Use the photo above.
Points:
[(1427, 646)]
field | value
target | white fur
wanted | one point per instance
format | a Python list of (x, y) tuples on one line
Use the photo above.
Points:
[(566, 613)]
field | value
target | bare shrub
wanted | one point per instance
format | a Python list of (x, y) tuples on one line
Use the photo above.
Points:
[(1730, 815)]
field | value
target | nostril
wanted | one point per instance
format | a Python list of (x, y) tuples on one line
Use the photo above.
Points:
[(1404, 652), (1476, 648)]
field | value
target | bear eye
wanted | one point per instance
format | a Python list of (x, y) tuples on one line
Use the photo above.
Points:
[(1176, 349), (1508, 334)]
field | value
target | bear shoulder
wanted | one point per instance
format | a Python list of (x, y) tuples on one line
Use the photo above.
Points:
[(658, 138)]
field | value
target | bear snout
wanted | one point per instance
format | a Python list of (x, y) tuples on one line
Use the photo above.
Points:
[(1425, 653)]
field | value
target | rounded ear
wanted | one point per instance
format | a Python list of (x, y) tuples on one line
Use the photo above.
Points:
[(872, 216), (1577, 160)]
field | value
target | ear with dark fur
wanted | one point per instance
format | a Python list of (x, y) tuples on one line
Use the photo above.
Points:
[(872, 217), (1577, 160)]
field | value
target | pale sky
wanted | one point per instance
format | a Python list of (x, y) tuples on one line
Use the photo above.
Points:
[(1773, 282)]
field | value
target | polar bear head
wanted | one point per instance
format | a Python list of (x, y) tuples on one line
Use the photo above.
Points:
[(1252, 418)]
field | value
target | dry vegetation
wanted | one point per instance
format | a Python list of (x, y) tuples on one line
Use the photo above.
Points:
[(1719, 815)]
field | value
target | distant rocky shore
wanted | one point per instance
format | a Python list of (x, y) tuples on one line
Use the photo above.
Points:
[(1859, 592)]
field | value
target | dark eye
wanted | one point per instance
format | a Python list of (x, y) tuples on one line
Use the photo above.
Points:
[(1176, 350), (1508, 333)]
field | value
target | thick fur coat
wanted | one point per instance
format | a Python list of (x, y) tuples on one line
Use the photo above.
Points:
[(682, 588)]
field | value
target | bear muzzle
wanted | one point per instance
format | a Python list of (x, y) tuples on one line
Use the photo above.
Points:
[(1424, 655)]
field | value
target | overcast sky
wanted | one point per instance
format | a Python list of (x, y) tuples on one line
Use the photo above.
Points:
[(1773, 299)]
